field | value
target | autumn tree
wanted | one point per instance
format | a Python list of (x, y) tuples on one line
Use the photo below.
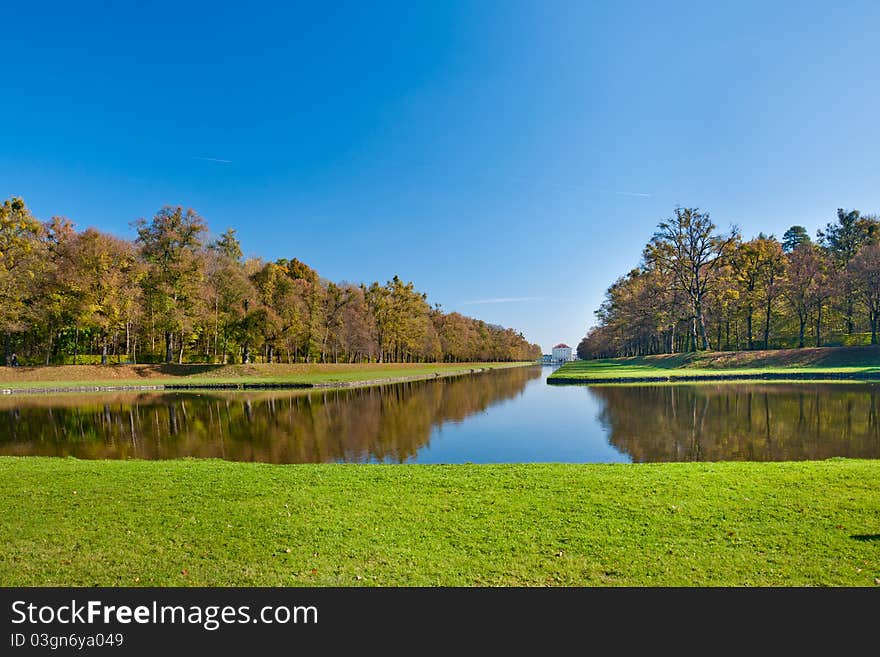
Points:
[(226, 289), (843, 240), (690, 249), (827, 287), (20, 264), (455, 333), (109, 280), (864, 274), (354, 336), (171, 244), (803, 275), (61, 300), (747, 261), (378, 298), (771, 273), (309, 295)]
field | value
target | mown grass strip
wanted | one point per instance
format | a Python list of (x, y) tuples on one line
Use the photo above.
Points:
[(827, 363), (72, 378), (213, 523)]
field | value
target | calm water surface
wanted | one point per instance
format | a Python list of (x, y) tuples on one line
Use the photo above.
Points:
[(508, 416)]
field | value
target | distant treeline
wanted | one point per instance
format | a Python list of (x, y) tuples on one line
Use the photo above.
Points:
[(698, 289), (170, 295)]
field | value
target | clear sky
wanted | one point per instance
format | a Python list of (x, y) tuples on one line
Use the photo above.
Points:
[(509, 158)]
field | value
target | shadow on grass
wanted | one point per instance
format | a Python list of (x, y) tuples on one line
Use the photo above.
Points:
[(173, 369), (866, 537), (861, 356)]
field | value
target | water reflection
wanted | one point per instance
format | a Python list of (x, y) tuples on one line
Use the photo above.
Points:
[(736, 422), (508, 416), (383, 423)]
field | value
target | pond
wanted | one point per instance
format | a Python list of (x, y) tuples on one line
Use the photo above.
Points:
[(504, 416)]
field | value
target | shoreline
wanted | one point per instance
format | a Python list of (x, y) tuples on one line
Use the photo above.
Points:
[(249, 385), (802, 364), (696, 378)]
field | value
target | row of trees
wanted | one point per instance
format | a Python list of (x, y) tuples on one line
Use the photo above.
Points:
[(697, 288), (171, 295)]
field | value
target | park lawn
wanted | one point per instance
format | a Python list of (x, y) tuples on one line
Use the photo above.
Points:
[(842, 362), (69, 522), (58, 377)]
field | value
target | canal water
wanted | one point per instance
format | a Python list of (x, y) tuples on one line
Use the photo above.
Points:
[(504, 416)]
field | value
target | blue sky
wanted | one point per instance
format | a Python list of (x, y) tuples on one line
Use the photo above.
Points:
[(510, 158)]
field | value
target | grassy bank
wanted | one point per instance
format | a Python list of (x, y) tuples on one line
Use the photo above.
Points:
[(815, 364), (89, 377), (206, 522)]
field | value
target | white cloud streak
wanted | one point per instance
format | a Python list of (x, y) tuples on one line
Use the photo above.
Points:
[(639, 194)]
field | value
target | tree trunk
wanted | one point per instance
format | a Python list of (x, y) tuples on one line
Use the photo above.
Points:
[(169, 355), (225, 343), (767, 327), (75, 344), (749, 327), (216, 325), (819, 326), (803, 323), (104, 350), (700, 325)]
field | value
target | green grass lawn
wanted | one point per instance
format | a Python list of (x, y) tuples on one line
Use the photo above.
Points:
[(842, 362), (68, 522), (97, 376)]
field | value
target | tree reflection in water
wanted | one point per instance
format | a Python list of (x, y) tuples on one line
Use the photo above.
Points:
[(382, 423), (395, 422), (742, 422)]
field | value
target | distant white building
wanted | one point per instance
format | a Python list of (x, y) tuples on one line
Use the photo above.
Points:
[(561, 353)]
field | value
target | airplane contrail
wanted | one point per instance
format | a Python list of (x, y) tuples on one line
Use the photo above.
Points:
[(212, 159)]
